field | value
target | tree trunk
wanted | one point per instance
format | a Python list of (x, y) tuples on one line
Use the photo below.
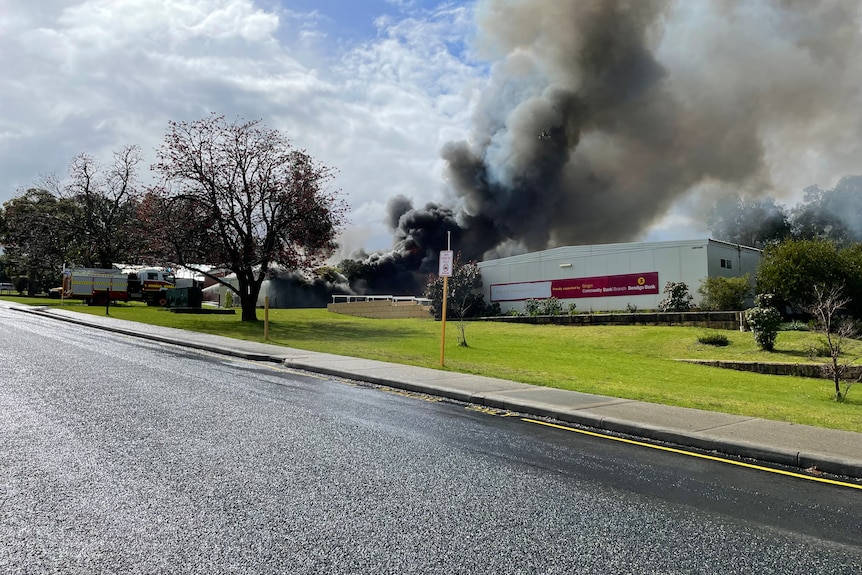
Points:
[(836, 377), (249, 309), (462, 329), (249, 289)]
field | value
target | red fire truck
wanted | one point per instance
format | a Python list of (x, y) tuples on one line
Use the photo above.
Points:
[(97, 286)]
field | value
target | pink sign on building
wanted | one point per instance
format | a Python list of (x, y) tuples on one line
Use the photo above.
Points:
[(572, 288)]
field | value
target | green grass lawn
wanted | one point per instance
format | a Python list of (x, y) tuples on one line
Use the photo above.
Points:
[(636, 362)]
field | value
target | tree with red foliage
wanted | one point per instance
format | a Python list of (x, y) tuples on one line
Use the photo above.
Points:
[(239, 196)]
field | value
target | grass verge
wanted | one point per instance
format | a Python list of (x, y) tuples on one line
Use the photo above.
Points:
[(635, 362)]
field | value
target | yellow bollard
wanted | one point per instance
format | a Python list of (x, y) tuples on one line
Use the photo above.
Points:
[(443, 335), (266, 318)]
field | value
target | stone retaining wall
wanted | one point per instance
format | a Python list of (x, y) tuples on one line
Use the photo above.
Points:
[(707, 319), (797, 369), (382, 309)]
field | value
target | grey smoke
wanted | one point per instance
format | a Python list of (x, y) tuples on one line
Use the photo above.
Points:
[(600, 116), (591, 129)]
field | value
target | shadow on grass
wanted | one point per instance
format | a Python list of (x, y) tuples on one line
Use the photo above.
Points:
[(282, 331), (72, 304), (287, 330), (788, 354), (304, 331), (42, 301)]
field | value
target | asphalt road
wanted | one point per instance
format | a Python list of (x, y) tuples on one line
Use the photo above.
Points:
[(123, 456)]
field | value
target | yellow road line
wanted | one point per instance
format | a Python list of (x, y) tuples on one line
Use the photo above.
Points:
[(693, 454), (506, 413)]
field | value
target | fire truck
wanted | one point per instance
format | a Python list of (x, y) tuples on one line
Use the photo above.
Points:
[(97, 286), (150, 285)]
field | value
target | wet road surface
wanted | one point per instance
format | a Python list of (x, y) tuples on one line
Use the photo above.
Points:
[(123, 456)]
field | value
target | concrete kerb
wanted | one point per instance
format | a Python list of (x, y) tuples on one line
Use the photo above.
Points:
[(501, 397), (251, 356), (441, 386), (496, 394), (667, 435), (835, 465), (743, 449)]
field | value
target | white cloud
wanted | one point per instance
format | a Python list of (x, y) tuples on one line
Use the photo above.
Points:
[(96, 75)]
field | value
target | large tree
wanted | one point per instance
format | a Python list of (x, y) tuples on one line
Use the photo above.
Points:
[(37, 237), (791, 269), (834, 215), (88, 218), (106, 229), (239, 196), (851, 266), (748, 222)]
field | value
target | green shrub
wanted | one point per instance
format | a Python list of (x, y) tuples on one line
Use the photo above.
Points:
[(717, 339), (794, 326), (819, 349), (492, 310), (573, 308), (549, 306), (764, 321), (22, 284), (724, 294), (677, 298), (552, 306)]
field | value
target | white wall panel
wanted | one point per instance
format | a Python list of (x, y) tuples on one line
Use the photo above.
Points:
[(689, 260)]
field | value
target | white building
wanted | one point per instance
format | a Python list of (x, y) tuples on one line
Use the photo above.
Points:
[(611, 277)]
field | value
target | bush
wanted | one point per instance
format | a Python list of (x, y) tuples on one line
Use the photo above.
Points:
[(549, 306), (819, 349), (764, 321), (552, 306), (724, 294), (794, 326), (677, 299), (631, 308), (22, 284), (717, 339), (573, 307), (532, 306), (493, 309)]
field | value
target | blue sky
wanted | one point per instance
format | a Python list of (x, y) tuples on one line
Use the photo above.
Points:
[(357, 20)]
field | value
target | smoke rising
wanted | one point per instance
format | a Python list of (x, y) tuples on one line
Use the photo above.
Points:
[(295, 290), (601, 115)]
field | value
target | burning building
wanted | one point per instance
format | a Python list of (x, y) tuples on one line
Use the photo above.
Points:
[(612, 277), (592, 126)]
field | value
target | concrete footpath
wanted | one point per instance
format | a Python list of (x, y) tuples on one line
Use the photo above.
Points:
[(801, 446)]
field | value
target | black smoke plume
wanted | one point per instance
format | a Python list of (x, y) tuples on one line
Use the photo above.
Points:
[(419, 235), (296, 290), (594, 123)]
